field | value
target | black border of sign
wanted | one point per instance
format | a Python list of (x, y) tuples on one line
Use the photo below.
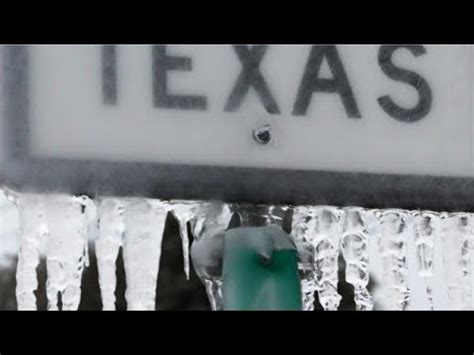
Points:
[(232, 184)]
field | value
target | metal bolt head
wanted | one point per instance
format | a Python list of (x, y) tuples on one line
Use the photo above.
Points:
[(263, 135)]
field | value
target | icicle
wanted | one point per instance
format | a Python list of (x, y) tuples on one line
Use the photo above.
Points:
[(210, 219), (301, 230), (326, 239), (144, 227), (90, 220), (66, 250), (107, 246), (394, 228), (302, 224), (184, 212), (425, 227), (319, 228), (32, 230), (456, 234), (214, 293), (354, 247)]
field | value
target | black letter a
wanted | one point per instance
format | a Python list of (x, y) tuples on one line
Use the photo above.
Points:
[(312, 83)]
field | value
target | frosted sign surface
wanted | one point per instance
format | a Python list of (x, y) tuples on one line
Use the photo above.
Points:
[(378, 109)]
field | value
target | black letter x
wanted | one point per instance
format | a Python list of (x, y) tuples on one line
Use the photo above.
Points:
[(251, 76)]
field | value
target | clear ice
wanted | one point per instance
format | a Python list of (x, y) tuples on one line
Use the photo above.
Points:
[(260, 215), (354, 245), (456, 240), (107, 247), (321, 228), (302, 225), (66, 250), (33, 230), (393, 234), (209, 220), (426, 224), (184, 212), (145, 223), (58, 228)]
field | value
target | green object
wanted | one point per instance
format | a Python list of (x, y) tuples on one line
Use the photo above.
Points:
[(259, 273)]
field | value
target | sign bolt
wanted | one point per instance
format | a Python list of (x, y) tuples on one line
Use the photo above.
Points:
[(263, 135)]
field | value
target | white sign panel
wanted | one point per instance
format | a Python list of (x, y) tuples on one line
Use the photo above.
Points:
[(295, 114)]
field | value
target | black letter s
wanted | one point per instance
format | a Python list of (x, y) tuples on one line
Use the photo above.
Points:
[(423, 106)]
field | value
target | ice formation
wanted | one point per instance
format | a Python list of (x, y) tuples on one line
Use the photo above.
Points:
[(320, 228), (425, 226), (393, 234), (145, 223), (66, 250), (184, 212), (32, 232), (354, 247), (209, 220), (58, 227), (107, 247), (456, 240)]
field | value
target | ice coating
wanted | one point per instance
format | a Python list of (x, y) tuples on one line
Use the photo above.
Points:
[(66, 250), (209, 221), (426, 224), (456, 240), (393, 234), (32, 232), (320, 228), (326, 239), (61, 224), (260, 215), (145, 223), (354, 245), (107, 246), (214, 293), (301, 230), (184, 212)]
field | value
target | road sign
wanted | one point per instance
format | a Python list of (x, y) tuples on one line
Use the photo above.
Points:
[(370, 125)]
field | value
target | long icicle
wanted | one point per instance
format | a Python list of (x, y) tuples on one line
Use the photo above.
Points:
[(32, 230), (301, 230), (107, 247), (326, 239), (144, 227), (184, 212), (354, 245), (66, 250), (456, 235), (210, 219), (394, 229), (426, 224)]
